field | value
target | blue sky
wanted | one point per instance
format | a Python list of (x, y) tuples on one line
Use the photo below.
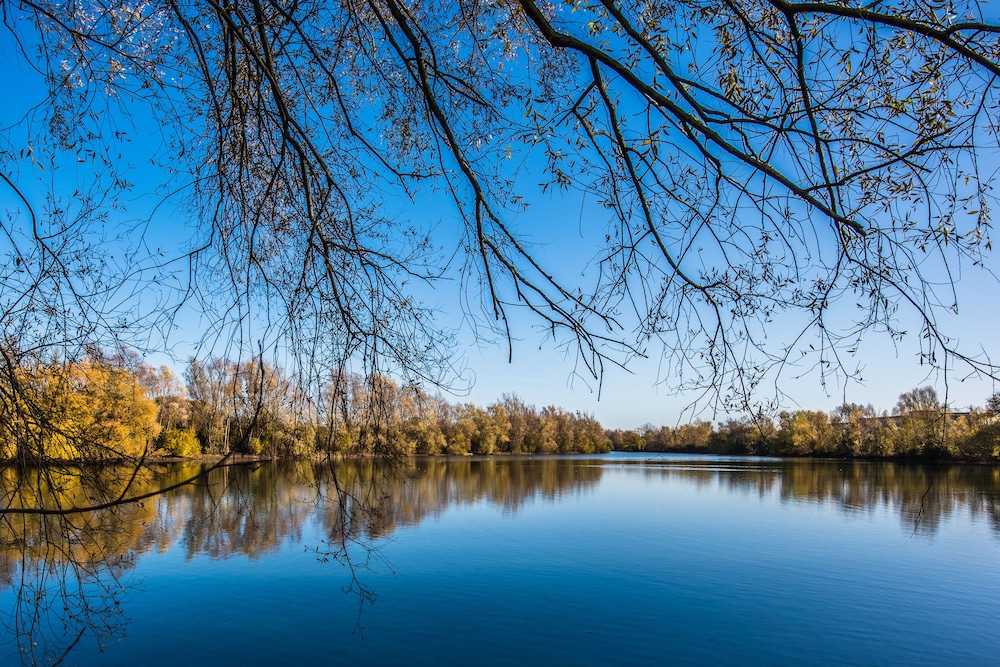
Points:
[(543, 374), (566, 230)]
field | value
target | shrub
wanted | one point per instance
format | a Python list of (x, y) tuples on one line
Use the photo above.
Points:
[(180, 442)]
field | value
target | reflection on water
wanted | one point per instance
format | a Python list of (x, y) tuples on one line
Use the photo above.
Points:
[(66, 578), (923, 496)]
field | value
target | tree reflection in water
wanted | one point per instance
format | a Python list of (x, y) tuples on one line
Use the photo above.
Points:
[(66, 576)]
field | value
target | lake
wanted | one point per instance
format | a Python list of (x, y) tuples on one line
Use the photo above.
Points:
[(589, 560)]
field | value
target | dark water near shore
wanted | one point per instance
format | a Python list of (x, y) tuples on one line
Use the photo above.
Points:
[(616, 559)]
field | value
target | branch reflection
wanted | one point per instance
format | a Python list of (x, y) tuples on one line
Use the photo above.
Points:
[(66, 578)]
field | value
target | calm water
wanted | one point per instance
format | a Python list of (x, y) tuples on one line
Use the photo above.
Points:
[(618, 559)]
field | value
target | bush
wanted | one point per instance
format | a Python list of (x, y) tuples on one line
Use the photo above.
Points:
[(180, 442)]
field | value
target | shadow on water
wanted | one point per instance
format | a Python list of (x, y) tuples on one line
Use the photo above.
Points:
[(66, 578)]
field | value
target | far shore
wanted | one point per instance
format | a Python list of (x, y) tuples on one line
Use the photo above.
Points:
[(241, 459)]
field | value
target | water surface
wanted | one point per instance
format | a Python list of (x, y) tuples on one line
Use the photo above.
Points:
[(616, 559)]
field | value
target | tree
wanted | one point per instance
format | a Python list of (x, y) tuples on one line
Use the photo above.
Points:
[(749, 435), (922, 399), (805, 432), (921, 423), (212, 390), (751, 161), (87, 410), (693, 437), (861, 431), (627, 441), (993, 405)]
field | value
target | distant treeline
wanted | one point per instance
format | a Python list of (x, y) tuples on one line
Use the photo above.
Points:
[(114, 407), (918, 427)]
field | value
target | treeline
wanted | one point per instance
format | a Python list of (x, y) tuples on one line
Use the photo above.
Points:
[(118, 407), (918, 427), (254, 408)]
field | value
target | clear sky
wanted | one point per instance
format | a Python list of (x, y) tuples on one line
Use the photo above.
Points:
[(543, 374), (566, 230)]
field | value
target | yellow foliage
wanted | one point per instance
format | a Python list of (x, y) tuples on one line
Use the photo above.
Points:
[(180, 442), (83, 410)]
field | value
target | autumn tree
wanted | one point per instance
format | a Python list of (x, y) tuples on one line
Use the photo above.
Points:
[(521, 418), (920, 422), (692, 437), (984, 443), (86, 410), (747, 435), (861, 432), (626, 441), (804, 433), (423, 428), (170, 394), (212, 391)]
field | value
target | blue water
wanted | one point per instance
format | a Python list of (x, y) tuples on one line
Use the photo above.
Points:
[(586, 561)]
